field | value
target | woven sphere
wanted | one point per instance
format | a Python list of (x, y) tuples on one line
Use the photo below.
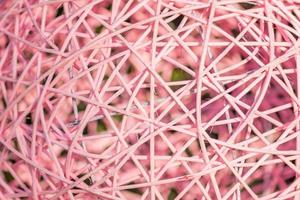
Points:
[(144, 99)]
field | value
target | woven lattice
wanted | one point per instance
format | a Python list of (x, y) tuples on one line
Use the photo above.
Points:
[(144, 99)]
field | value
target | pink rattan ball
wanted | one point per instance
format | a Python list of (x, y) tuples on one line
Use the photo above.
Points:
[(149, 99)]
